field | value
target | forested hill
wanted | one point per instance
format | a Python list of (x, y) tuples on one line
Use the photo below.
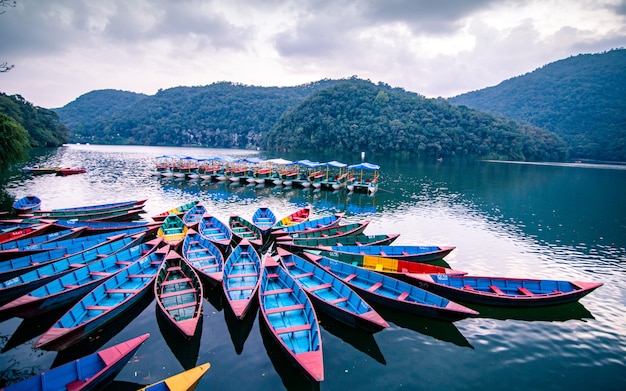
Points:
[(357, 115), (580, 98), (218, 115)]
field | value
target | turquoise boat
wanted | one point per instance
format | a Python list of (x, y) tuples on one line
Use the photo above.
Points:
[(203, 256), (242, 274)]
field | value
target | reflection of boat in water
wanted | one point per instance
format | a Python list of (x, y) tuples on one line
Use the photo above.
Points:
[(292, 379), (185, 350), (440, 330), (555, 313), (239, 329)]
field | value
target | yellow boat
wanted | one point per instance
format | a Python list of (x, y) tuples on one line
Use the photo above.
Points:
[(184, 381)]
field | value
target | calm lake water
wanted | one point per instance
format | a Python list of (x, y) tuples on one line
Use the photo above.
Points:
[(564, 221)]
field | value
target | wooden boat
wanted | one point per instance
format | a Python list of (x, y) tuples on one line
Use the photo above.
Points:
[(91, 372), (178, 211), (332, 295), (264, 219), (26, 282), (203, 256), (173, 230), (298, 244), (85, 214), (27, 204), (101, 207), (310, 225), (35, 244), (55, 251), (294, 218), (23, 233), (74, 285), (363, 178), (217, 232), (178, 292), (506, 291), (192, 217), (184, 381), (331, 232), (243, 229), (104, 303), (242, 275), (105, 226), (36, 170), (65, 171), (291, 319), (378, 288), (404, 253)]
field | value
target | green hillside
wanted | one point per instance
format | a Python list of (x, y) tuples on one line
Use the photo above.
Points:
[(357, 115), (581, 98)]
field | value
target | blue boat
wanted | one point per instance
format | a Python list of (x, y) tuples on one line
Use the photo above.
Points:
[(405, 253), (264, 219), (506, 291), (289, 315), (91, 372), (104, 303), (310, 225), (203, 256), (27, 204), (73, 286), (193, 216), (388, 291), (332, 295), (217, 232), (105, 226), (55, 251), (242, 274), (28, 246), (26, 282), (102, 207)]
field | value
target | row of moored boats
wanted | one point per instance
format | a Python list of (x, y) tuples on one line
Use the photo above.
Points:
[(292, 267)]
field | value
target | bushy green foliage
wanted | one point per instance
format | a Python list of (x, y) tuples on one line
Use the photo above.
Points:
[(13, 141), (356, 115), (581, 98), (43, 126)]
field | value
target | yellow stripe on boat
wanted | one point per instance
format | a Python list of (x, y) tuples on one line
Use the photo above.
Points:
[(184, 381), (380, 263)]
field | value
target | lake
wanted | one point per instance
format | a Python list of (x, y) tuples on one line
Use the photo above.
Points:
[(553, 221)]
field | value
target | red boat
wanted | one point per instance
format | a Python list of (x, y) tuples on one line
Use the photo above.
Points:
[(65, 171)]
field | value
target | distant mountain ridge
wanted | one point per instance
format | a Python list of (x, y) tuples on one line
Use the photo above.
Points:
[(580, 98)]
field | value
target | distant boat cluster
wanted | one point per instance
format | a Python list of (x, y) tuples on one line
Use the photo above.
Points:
[(359, 178)]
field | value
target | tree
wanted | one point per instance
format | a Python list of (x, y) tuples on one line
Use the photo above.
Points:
[(5, 67), (13, 141)]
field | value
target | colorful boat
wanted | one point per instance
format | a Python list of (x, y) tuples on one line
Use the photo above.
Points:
[(178, 292), (71, 287), (101, 207), (384, 290), (298, 244), (506, 291), (331, 232), (36, 170), (363, 178), (26, 282), (56, 251), (404, 253), (36, 244), (65, 171), (27, 204), (217, 232), (173, 230), (311, 225), (91, 372), (23, 233), (332, 295), (184, 381), (193, 216), (243, 229), (178, 211), (106, 226), (95, 214), (289, 315), (296, 217), (242, 275), (104, 303), (264, 219), (203, 256)]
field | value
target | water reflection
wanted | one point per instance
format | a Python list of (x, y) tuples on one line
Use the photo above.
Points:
[(557, 313), (33, 327), (239, 330), (186, 351)]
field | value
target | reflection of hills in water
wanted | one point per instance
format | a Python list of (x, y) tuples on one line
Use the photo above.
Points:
[(293, 378), (239, 330), (359, 339), (96, 340), (440, 330), (185, 351), (554, 313)]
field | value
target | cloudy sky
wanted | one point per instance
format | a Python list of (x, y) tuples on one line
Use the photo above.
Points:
[(62, 49)]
